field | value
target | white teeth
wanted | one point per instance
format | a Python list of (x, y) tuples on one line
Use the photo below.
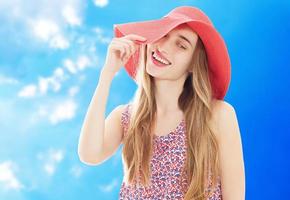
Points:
[(160, 59)]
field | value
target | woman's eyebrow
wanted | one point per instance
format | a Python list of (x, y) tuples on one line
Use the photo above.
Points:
[(184, 38)]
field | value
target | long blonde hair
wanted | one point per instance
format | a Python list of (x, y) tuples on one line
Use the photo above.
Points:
[(202, 145)]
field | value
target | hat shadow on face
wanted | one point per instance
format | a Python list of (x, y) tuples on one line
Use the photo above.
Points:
[(183, 31), (192, 36)]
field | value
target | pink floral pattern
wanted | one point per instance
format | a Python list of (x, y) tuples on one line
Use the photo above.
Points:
[(168, 180)]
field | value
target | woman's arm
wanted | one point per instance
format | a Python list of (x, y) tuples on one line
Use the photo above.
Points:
[(91, 139), (100, 138), (231, 152)]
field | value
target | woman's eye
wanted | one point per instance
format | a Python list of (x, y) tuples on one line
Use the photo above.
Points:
[(183, 47)]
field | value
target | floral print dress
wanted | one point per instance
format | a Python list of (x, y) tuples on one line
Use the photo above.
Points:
[(168, 180)]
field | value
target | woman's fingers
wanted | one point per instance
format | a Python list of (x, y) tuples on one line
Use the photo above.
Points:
[(124, 48), (130, 45), (127, 45), (120, 49), (116, 45), (135, 37)]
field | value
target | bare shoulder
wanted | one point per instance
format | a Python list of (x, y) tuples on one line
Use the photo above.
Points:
[(120, 109), (226, 126), (223, 115), (117, 113), (221, 107)]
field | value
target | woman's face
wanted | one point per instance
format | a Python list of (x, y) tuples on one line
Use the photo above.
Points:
[(175, 50)]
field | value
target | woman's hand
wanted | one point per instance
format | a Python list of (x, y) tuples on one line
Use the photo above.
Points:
[(119, 51)]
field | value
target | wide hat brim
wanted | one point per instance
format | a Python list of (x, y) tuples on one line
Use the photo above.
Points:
[(216, 50)]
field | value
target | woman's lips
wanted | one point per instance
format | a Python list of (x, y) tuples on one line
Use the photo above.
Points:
[(157, 63), (161, 56)]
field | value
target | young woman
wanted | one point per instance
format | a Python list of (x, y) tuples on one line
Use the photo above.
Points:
[(181, 140)]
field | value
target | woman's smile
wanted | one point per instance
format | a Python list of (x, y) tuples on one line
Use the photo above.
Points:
[(157, 61)]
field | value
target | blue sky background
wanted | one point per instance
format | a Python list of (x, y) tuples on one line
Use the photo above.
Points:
[(51, 53)]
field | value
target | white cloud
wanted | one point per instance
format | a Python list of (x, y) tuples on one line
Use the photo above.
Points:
[(7, 80), (14, 11), (56, 112), (51, 159), (46, 20), (83, 62), (55, 84), (28, 91), (49, 31), (49, 168), (59, 42), (57, 155), (70, 15), (44, 28), (57, 78), (100, 36), (44, 83), (70, 66), (73, 91), (65, 11), (7, 176), (63, 111), (101, 3)]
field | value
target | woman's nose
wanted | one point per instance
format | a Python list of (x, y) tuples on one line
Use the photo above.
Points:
[(163, 43)]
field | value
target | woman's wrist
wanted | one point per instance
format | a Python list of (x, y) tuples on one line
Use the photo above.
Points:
[(107, 74)]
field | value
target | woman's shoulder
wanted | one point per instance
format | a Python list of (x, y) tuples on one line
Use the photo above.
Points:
[(127, 107), (218, 105), (222, 113), (123, 108), (121, 112)]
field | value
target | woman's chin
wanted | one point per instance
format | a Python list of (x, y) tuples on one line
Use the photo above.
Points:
[(154, 73), (152, 70)]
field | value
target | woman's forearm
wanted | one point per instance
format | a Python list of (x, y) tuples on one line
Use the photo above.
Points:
[(92, 132)]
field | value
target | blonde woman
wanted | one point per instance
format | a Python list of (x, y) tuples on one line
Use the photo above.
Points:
[(180, 139)]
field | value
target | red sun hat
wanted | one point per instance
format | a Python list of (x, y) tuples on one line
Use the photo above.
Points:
[(216, 50)]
